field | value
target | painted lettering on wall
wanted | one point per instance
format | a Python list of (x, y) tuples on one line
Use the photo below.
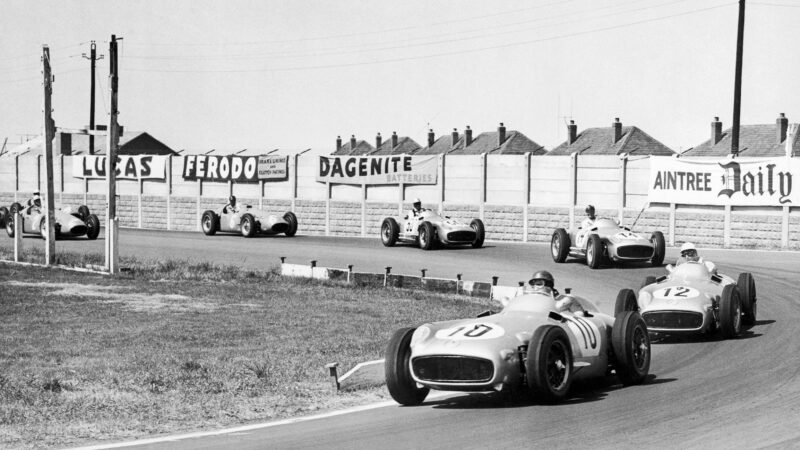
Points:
[(126, 166), (394, 169), (233, 168)]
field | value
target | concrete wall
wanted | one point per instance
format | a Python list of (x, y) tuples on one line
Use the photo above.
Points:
[(519, 198)]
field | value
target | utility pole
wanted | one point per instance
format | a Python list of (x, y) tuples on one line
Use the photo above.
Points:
[(112, 253), (92, 57), (737, 88), (48, 132)]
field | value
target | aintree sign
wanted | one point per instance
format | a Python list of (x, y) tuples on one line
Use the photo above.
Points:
[(128, 166), (234, 168), (390, 169), (738, 182)]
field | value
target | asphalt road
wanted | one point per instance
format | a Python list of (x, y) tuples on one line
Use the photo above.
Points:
[(740, 393)]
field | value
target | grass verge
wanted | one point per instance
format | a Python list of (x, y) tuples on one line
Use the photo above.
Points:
[(173, 346)]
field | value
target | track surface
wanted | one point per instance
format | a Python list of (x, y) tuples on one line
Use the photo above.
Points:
[(740, 393)]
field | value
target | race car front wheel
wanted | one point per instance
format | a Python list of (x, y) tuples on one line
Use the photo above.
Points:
[(730, 312), (747, 292), (249, 226), (480, 232), (594, 251), (291, 219), (92, 226), (3, 215), (397, 367), (389, 232), (549, 364), (208, 223), (631, 345), (559, 245), (626, 301), (427, 236), (659, 248)]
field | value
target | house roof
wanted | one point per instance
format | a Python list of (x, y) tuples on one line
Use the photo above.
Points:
[(362, 148), (515, 143), (405, 145), (754, 140), (599, 141), (130, 143)]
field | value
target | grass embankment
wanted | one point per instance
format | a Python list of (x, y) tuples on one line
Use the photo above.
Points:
[(179, 345)]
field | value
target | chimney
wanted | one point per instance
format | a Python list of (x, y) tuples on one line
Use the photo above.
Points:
[(352, 142), (617, 129), (716, 131), (66, 144), (431, 138), (338, 143), (394, 139), (572, 132), (455, 137), (782, 124), (378, 141), (467, 136), (501, 134)]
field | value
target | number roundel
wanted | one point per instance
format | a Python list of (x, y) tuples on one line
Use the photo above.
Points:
[(471, 331), (676, 292)]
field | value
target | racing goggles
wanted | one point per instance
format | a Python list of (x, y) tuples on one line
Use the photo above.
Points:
[(689, 253)]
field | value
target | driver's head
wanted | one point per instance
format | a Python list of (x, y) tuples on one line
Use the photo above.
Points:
[(37, 200), (417, 204), (689, 252), (590, 211), (232, 200), (542, 280)]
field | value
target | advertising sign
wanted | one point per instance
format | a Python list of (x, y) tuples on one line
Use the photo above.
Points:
[(390, 169), (133, 167), (234, 168)]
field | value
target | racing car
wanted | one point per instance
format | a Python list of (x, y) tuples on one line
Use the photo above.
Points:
[(533, 346), (607, 240), (249, 221), (693, 300), (427, 229), (69, 221)]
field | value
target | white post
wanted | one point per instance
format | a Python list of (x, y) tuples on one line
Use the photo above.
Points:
[(726, 232), (363, 210), (672, 224), (785, 228), (526, 197), (261, 197), (141, 192), (198, 212), (401, 188), (573, 187), (169, 192), (327, 208), (482, 194), (441, 183), (623, 173), (111, 159), (114, 261), (17, 218)]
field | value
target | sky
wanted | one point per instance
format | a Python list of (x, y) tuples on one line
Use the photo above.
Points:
[(263, 74)]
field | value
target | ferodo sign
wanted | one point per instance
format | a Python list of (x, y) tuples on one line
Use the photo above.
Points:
[(128, 166), (736, 182), (234, 168), (390, 169)]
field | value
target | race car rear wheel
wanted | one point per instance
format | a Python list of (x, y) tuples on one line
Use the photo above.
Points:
[(659, 248), (747, 291), (648, 280), (292, 220), (389, 232), (559, 245), (209, 223), (626, 301), (631, 345), (249, 226), (480, 232), (3, 215), (549, 364), (594, 251), (15, 208), (83, 212), (427, 236), (92, 227), (397, 367), (730, 312)]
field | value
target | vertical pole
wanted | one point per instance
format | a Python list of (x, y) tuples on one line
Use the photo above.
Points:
[(623, 181), (785, 228), (48, 133), (573, 186), (363, 209), (261, 197), (726, 227), (16, 177), (737, 85), (112, 255), (169, 192), (482, 194), (294, 181), (671, 224), (197, 210), (401, 195), (327, 208), (61, 180), (17, 218), (141, 192), (526, 197), (441, 183), (92, 58)]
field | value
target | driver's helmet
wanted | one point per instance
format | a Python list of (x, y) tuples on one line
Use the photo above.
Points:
[(37, 200), (232, 200), (689, 252), (417, 204), (590, 210), (542, 281)]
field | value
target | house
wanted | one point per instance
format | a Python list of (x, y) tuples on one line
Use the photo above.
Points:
[(354, 147), (613, 140), (500, 142), (67, 143), (754, 140), (397, 145)]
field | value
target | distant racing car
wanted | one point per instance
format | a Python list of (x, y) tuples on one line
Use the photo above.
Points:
[(69, 221), (533, 345), (427, 229), (607, 240), (692, 300), (248, 221)]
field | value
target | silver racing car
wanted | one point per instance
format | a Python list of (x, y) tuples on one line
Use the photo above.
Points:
[(69, 221), (607, 240), (248, 221), (427, 228)]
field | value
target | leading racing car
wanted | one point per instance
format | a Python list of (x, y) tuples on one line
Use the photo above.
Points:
[(537, 342), (427, 228), (69, 221), (248, 221), (693, 300), (607, 240)]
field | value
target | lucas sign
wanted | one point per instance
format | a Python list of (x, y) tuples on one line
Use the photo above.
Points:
[(134, 167), (234, 168), (736, 182), (390, 169)]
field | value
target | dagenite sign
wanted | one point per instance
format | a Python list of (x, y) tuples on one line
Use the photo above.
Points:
[(128, 166), (390, 169)]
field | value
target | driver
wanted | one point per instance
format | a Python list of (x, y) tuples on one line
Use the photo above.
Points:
[(542, 281), (689, 254), (231, 206), (34, 202), (586, 225), (417, 207)]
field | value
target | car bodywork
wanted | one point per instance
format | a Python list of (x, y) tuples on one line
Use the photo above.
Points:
[(69, 221), (248, 221), (607, 240), (529, 344), (693, 300), (427, 228)]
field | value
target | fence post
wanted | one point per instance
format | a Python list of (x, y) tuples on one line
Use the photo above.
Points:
[(294, 180), (141, 193), (61, 191), (197, 204), (441, 183), (785, 228), (726, 231), (261, 197), (573, 187), (672, 224), (401, 194), (482, 194), (169, 192), (526, 197), (363, 209), (327, 208), (16, 177), (623, 181)]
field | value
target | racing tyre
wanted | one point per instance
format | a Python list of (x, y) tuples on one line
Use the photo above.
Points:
[(3, 216), (83, 212), (249, 226), (480, 232), (659, 248), (549, 364), (747, 292), (92, 227), (730, 312), (15, 208), (43, 228), (292, 220), (397, 366), (648, 280), (389, 232), (209, 223), (427, 236), (626, 301), (559, 245), (631, 348), (594, 251), (10, 226)]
